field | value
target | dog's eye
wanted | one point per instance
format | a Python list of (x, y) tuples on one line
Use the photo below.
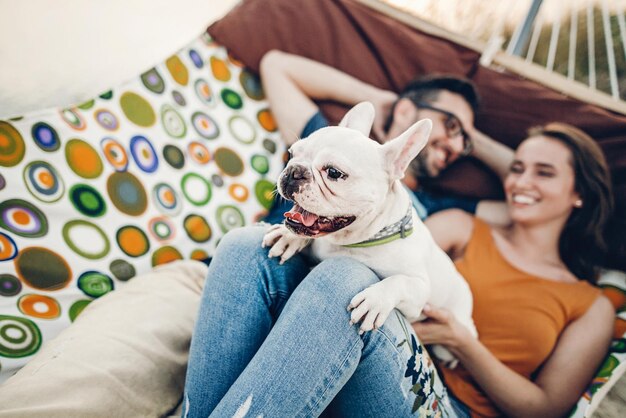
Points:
[(334, 174)]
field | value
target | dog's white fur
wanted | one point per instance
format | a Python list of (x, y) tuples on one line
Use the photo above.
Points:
[(414, 270)]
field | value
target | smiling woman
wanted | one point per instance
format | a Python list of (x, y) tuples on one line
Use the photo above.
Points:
[(570, 171), (559, 197)]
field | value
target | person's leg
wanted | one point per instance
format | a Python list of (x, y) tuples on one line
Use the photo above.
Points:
[(395, 378), (243, 295), (312, 352)]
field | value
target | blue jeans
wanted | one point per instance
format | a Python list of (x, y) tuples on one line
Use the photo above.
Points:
[(275, 341)]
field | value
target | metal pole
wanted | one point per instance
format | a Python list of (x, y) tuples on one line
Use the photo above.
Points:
[(554, 44), (591, 46), (522, 39), (573, 33), (610, 51)]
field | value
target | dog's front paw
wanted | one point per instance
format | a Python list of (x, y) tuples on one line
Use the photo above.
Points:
[(371, 307), (283, 243)]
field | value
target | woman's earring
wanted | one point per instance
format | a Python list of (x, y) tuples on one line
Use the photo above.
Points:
[(578, 204)]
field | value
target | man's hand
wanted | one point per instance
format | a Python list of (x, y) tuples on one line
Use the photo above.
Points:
[(441, 327), (496, 156), (383, 102)]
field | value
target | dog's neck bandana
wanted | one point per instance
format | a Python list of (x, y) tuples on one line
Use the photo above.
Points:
[(401, 229)]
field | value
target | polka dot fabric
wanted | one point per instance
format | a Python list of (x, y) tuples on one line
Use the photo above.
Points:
[(150, 172), (613, 285)]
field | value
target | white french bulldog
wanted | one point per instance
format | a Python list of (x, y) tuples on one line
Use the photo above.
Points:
[(349, 199)]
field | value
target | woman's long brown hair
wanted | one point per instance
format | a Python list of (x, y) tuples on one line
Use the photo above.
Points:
[(583, 244)]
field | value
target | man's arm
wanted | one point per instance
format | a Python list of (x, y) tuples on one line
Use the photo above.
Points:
[(495, 155), (292, 82)]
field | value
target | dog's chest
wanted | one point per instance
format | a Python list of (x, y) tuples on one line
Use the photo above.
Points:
[(384, 260)]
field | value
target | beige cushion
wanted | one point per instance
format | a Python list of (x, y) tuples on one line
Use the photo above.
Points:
[(125, 356)]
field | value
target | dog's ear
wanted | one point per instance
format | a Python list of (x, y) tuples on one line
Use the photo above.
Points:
[(400, 151), (360, 118)]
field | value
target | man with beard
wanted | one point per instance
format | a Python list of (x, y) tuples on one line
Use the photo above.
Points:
[(292, 83)]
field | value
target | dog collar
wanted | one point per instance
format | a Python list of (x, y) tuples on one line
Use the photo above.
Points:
[(401, 229)]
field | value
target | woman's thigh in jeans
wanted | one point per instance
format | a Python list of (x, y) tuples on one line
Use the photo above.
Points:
[(395, 378)]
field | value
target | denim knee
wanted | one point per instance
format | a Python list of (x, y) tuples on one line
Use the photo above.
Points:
[(248, 237), (339, 279)]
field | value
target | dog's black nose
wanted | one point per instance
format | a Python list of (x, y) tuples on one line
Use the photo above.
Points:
[(298, 172), (292, 179)]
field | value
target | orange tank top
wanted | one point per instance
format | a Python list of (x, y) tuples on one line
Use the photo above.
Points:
[(519, 316)]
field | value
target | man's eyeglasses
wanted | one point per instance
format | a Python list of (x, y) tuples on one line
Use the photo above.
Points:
[(454, 127)]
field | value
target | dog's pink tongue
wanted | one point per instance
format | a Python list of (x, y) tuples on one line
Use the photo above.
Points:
[(306, 218)]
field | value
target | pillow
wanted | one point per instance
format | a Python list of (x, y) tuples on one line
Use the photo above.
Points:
[(155, 170), (124, 356)]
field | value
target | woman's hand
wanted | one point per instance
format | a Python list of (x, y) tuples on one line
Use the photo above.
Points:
[(383, 103), (441, 327)]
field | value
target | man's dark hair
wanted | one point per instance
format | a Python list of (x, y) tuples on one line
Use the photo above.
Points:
[(427, 89)]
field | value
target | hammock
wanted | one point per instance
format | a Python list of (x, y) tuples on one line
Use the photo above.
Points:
[(160, 167)]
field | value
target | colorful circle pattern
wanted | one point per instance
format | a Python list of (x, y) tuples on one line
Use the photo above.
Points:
[(8, 248), (43, 181), (137, 109), (165, 255), (229, 217), (204, 92), (205, 126), (86, 239), (109, 235), (242, 129), (173, 122), (179, 98), (177, 69), (127, 193), (19, 337), (83, 159), (199, 153), (122, 270), (228, 161), (161, 228), (73, 118), (45, 136), (9, 285), (195, 58), (144, 154), (115, 154), (196, 189), (95, 284), (166, 199), (23, 218), (132, 241), (87, 200), (264, 191), (197, 228), (232, 99), (251, 85), (39, 306), (12, 147), (219, 69), (106, 119), (153, 81), (43, 269), (77, 307)]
